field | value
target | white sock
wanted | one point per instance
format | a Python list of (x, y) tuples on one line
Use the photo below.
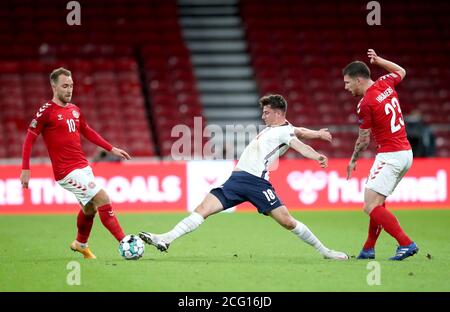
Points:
[(185, 226), (305, 234), (82, 245)]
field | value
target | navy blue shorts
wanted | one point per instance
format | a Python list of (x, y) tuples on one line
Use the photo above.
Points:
[(242, 186)]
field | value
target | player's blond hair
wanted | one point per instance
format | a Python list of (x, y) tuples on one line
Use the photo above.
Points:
[(58, 72)]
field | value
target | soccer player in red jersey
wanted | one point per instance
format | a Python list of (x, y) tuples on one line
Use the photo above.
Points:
[(62, 124), (380, 114)]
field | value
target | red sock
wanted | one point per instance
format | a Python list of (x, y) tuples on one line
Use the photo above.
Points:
[(84, 224), (390, 224), (110, 221), (374, 232)]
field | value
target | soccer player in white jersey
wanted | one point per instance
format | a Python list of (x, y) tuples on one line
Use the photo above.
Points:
[(249, 180)]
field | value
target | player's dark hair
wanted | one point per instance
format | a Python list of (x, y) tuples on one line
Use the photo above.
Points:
[(357, 69), (57, 72), (274, 101)]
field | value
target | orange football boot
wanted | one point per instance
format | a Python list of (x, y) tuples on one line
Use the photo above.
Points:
[(87, 253)]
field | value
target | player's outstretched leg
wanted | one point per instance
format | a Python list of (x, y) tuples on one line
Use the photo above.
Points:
[(209, 206), (282, 216), (85, 221), (305, 234), (155, 240)]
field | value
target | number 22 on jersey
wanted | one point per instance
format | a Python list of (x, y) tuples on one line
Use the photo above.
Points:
[(396, 121)]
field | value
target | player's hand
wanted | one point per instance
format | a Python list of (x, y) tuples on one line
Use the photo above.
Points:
[(351, 167), (120, 153), (372, 56), (325, 135), (323, 161), (25, 178)]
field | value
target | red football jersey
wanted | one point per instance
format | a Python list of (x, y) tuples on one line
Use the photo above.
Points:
[(380, 111), (61, 128)]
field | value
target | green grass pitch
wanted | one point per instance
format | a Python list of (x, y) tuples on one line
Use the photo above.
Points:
[(229, 252)]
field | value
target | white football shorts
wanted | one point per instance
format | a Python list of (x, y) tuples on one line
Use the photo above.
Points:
[(81, 182), (387, 171)]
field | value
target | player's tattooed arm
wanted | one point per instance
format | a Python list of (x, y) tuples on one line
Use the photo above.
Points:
[(361, 144), (306, 134)]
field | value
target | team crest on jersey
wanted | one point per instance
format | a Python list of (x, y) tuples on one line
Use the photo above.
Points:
[(75, 114), (91, 185), (60, 117), (33, 123)]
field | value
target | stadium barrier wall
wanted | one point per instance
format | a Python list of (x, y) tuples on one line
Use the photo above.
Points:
[(180, 186)]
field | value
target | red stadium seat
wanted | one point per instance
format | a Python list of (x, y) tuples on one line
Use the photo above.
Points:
[(301, 55)]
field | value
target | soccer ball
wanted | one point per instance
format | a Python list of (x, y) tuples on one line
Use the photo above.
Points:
[(131, 247)]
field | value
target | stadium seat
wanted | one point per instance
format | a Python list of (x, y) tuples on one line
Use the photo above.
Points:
[(299, 49)]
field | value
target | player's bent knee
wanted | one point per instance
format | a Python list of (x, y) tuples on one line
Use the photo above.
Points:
[(101, 198), (289, 224), (90, 209), (203, 210), (283, 217), (209, 206), (372, 199), (369, 207)]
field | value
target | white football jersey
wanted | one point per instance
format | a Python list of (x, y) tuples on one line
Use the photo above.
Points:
[(265, 148)]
